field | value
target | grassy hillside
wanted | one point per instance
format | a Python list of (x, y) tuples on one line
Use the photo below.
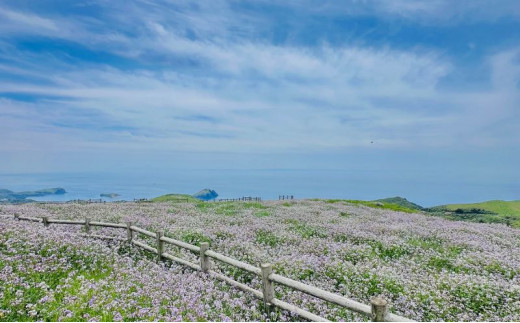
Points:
[(401, 201), (497, 211), (374, 204), (496, 206), (175, 198)]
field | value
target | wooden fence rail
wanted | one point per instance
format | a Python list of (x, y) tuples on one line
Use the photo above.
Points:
[(238, 199), (377, 311)]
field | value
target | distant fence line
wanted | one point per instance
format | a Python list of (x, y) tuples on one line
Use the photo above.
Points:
[(377, 311), (285, 197), (244, 198)]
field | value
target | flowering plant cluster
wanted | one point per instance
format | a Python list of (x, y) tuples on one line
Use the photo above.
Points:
[(428, 268)]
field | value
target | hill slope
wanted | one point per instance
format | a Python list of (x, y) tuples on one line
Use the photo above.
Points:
[(495, 206), (496, 211), (400, 201), (175, 198)]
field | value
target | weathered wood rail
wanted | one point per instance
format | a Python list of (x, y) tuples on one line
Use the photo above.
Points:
[(143, 200), (377, 311), (238, 199)]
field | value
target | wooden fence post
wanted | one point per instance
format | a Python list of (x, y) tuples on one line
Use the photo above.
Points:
[(129, 233), (204, 260), (267, 286), (45, 221), (379, 309), (160, 244), (87, 225), (17, 216)]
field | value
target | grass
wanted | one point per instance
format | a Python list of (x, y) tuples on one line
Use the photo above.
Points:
[(345, 214), (221, 208), (232, 208), (496, 206), (383, 205), (305, 230), (195, 237), (175, 198), (226, 208), (505, 212), (375, 204), (267, 238), (400, 201), (254, 205), (261, 214), (497, 211)]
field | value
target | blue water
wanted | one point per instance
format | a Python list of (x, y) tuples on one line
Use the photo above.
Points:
[(429, 190)]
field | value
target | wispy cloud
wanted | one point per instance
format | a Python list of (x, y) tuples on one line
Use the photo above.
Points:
[(210, 77), (26, 22)]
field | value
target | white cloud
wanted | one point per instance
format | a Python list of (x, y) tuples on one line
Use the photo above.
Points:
[(29, 21), (431, 12), (264, 97), (281, 94), (447, 11)]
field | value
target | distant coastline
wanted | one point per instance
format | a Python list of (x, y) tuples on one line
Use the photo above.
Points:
[(23, 197)]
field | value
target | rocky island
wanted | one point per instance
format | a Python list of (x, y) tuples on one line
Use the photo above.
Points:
[(109, 195), (205, 195)]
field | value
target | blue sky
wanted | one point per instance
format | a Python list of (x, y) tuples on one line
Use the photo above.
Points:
[(400, 86)]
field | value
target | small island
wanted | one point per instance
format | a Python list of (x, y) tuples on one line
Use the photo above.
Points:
[(205, 195), (109, 195)]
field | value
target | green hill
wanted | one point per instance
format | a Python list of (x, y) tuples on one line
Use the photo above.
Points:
[(400, 201), (496, 211), (495, 206), (175, 198)]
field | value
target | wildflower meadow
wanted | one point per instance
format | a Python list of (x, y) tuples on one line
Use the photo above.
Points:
[(428, 268)]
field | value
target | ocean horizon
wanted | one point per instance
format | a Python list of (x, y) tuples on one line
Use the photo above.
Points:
[(265, 183)]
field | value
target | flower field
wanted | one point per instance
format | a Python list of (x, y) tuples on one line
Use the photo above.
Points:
[(429, 268)]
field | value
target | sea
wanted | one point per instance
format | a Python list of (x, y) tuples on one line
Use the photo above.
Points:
[(268, 184)]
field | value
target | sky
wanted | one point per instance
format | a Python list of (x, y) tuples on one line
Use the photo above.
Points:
[(404, 87)]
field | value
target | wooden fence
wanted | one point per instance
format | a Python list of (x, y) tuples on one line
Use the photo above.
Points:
[(144, 200), (245, 198), (89, 201), (377, 311), (285, 197)]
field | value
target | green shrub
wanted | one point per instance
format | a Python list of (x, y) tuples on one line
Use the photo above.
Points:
[(354, 256), (254, 205), (195, 237), (267, 238), (307, 231), (388, 251), (440, 263), (262, 214)]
